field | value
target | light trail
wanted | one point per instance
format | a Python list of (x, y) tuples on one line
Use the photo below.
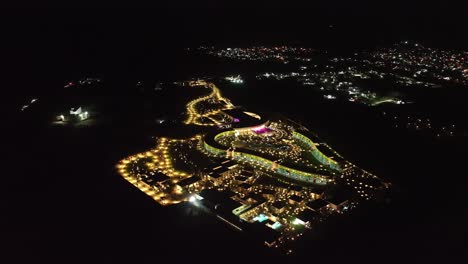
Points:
[(228, 222)]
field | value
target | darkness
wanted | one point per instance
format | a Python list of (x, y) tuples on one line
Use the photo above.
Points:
[(130, 39), (58, 211)]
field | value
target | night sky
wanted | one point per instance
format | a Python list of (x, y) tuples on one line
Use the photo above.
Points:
[(126, 35)]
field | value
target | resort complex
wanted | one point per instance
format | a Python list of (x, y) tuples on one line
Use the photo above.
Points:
[(259, 173)]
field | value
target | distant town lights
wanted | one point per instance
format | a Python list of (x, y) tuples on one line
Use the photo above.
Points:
[(235, 79)]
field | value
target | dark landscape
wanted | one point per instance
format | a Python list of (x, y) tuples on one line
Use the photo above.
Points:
[(65, 202)]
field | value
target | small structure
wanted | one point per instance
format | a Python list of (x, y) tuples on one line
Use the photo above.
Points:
[(241, 209), (255, 198), (156, 177), (189, 183), (295, 189), (338, 203), (245, 187), (78, 112), (295, 199), (247, 173), (234, 79), (218, 174), (318, 205), (308, 216), (268, 193), (213, 197), (216, 178), (278, 207), (268, 234), (241, 178), (75, 114)]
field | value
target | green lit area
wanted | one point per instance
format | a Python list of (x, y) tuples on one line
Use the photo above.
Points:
[(279, 151), (385, 99)]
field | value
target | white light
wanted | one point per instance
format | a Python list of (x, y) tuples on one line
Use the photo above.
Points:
[(192, 199), (298, 221), (235, 79)]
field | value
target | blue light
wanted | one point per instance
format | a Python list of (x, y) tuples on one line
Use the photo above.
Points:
[(276, 225), (260, 218)]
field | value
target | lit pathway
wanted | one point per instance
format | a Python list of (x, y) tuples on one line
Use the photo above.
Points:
[(194, 117)]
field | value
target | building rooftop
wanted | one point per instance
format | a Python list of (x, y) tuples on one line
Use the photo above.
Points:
[(296, 198), (216, 197), (215, 175), (317, 204), (245, 185), (221, 170), (257, 197), (241, 178), (337, 200), (340, 197), (296, 188), (216, 168), (159, 177), (227, 206), (247, 173), (229, 163), (308, 215), (268, 191), (278, 204), (188, 181)]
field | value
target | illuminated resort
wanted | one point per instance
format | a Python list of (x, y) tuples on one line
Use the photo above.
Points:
[(239, 145), (257, 173)]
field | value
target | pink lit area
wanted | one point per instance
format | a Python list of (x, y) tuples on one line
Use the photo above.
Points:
[(261, 129)]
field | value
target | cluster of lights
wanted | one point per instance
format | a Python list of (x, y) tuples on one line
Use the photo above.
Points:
[(362, 182), (81, 115), (283, 54), (290, 227), (338, 83), (157, 160), (27, 105), (419, 62), (83, 81), (422, 124), (235, 79), (277, 145), (194, 116), (405, 64), (270, 165)]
